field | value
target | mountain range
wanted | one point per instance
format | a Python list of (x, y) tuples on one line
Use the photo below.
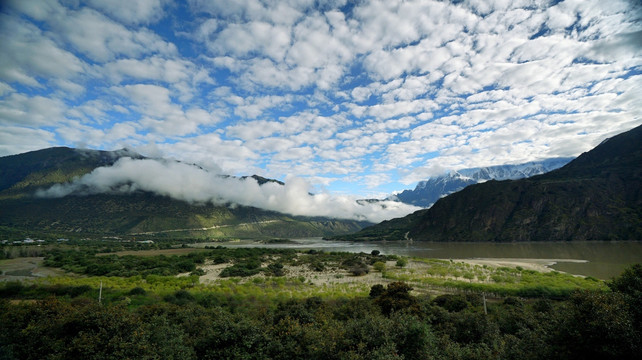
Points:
[(427, 192), (597, 196), (137, 213)]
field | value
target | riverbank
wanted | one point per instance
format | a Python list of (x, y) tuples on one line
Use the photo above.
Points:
[(600, 259), (541, 265)]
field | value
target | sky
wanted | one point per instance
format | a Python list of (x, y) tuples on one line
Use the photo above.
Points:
[(356, 98)]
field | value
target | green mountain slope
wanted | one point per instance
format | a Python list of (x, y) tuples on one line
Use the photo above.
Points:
[(139, 214), (22, 174), (597, 196)]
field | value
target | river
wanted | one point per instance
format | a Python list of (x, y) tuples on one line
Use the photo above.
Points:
[(600, 259)]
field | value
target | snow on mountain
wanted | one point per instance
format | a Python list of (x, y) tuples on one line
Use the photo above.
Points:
[(427, 192)]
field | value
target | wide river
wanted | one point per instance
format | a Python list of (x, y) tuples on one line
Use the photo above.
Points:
[(602, 260)]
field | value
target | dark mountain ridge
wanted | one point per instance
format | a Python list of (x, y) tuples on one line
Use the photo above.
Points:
[(597, 196)]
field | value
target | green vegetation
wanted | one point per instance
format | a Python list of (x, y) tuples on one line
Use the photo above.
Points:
[(158, 317), (266, 303), (502, 281)]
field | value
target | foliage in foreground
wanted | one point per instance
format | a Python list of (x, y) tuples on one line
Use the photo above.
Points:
[(390, 323)]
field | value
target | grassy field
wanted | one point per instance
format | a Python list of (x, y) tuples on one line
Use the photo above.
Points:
[(269, 274)]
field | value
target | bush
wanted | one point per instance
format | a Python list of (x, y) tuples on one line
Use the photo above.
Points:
[(402, 262), (379, 266), (275, 269), (137, 291), (376, 291), (452, 303), (198, 272), (359, 270), (238, 270), (317, 266), (396, 297)]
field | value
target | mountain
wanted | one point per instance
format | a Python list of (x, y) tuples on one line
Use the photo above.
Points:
[(130, 214), (23, 173), (597, 196), (426, 193)]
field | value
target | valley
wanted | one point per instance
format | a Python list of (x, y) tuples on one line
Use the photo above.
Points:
[(498, 265)]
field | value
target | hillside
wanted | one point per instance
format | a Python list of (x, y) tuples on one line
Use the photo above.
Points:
[(22, 174), (597, 196), (137, 214), (427, 192)]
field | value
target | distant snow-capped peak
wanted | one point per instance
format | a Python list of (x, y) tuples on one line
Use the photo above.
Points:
[(428, 191)]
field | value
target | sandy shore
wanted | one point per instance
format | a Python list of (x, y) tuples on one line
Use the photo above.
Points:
[(542, 265)]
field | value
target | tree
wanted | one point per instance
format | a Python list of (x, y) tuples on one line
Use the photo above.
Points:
[(376, 291), (629, 283), (396, 297), (596, 326)]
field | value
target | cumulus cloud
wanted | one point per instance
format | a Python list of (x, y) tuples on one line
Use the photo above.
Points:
[(12, 139), (358, 95), (159, 112), (29, 56), (195, 185), (132, 12), (92, 33)]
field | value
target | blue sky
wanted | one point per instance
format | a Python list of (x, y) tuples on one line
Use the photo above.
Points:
[(361, 98)]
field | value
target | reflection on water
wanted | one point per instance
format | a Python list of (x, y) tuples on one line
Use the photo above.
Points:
[(604, 259)]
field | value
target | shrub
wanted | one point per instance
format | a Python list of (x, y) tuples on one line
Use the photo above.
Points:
[(359, 270), (198, 272), (376, 291), (402, 262), (379, 266), (137, 291), (452, 303), (275, 269), (396, 297), (317, 266)]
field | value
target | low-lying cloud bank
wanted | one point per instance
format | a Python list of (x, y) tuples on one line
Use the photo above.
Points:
[(195, 185)]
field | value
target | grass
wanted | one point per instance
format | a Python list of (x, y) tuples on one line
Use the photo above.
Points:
[(425, 275), (503, 280)]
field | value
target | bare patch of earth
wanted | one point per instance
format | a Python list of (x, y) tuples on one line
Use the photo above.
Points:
[(541, 265), (26, 268)]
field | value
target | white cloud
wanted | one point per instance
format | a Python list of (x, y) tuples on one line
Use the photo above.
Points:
[(131, 12), (92, 33), (348, 93), (152, 68), (160, 113), (16, 139), (192, 184), (37, 110), (30, 56)]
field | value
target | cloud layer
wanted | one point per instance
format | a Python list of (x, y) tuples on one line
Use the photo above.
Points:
[(360, 97), (195, 185)]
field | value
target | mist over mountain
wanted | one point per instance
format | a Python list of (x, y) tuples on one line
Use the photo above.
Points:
[(426, 193), (597, 196), (66, 189)]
